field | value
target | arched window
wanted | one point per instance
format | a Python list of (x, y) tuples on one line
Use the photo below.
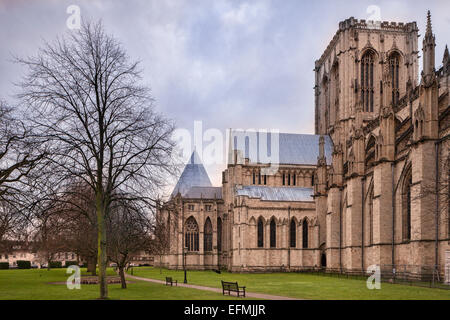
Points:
[(293, 234), (305, 234), (273, 233), (219, 234), (323, 260), (326, 105), (370, 152), (260, 233), (370, 216), (407, 206), (335, 101), (394, 68), (191, 234), (207, 235), (367, 84)]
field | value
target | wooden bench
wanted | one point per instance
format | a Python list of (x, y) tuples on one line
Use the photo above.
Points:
[(232, 287), (170, 281)]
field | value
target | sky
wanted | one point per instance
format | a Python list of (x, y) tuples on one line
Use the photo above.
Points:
[(228, 63)]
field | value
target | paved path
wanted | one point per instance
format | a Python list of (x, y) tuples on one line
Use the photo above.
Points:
[(192, 286)]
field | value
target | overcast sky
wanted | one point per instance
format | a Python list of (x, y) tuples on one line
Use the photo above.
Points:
[(229, 63)]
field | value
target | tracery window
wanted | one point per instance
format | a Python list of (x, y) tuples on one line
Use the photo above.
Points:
[(273, 233), (219, 234), (293, 234), (191, 234), (370, 216), (260, 233), (394, 67), (407, 206), (207, 236), (305, 234), (367, 84)]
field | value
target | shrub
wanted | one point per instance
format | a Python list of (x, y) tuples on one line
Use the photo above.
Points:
[(4, 265), (71, 263), (55, 264), (23, 264)]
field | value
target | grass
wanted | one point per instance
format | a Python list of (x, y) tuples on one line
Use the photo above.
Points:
[(35, 284), (304, 286)]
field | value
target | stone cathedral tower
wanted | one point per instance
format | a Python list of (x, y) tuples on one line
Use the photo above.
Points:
[(385, 128)]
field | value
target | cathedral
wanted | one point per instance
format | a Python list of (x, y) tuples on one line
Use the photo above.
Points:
[(370, 187)]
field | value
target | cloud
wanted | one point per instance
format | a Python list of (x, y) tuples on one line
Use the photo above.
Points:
[(229, 63), (248, 14)]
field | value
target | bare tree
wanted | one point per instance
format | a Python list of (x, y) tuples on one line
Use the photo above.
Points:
[(86, 104), (49, 236), (80, 219), (18, 158), (160, 243), (128, 234), (12, 223)]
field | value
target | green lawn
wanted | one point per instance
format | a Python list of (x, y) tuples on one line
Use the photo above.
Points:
[(297, 285), (34, 285)]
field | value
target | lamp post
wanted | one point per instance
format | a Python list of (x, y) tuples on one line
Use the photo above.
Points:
[(184, 264)]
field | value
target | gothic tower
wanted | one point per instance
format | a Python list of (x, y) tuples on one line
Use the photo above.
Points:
[(360, 78), (425, 134)]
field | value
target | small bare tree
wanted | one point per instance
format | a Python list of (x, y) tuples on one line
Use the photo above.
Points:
[(49, 236), (80, 220), (86, 105), (160, 243), (128, 234), (12, 223)]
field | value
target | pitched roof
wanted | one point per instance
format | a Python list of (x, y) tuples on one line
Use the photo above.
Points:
[(204, 193), (290, 194), (194, 175), (293, 148)]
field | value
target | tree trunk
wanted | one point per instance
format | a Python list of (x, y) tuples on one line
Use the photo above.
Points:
[(160, 264), (92, 266), (122, 278), (102, 257)]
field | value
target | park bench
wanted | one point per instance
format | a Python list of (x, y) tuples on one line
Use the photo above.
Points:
[(232, 287), (170, 281)]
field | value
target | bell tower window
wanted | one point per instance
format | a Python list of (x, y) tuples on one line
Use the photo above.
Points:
[(394, 68), (367, 84)]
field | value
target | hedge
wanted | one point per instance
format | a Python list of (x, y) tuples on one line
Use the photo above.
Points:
[(55, 264), (4, 265), (71, 263), (23, 264)]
